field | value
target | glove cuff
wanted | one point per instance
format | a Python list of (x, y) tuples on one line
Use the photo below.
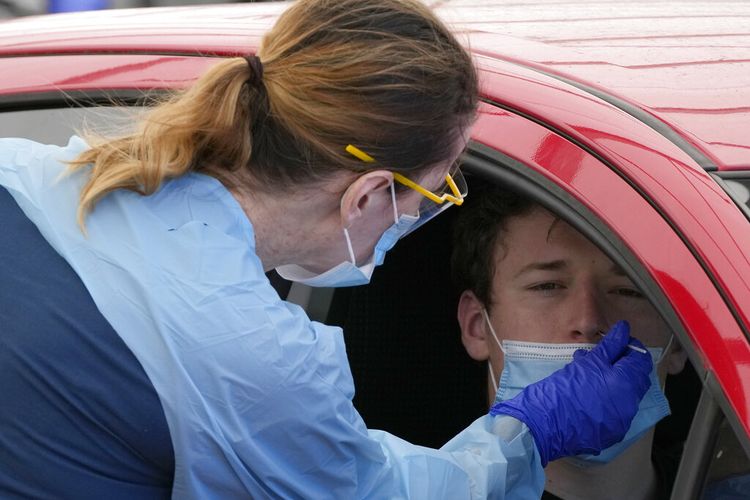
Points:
[(505, 408)]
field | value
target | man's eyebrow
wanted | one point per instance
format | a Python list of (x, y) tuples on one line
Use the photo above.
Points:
[(551, 265)]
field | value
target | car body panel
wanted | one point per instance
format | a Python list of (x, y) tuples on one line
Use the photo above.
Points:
[(197, 30), (76, 72), (686, 63)]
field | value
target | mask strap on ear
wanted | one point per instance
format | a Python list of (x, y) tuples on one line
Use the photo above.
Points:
[(494, 336), (393, 197), (666, 350), (349, 245), (492, 376), (492, 330)]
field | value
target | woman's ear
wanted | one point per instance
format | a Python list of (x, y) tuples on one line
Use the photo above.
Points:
[(364, 193), (472, 323), (674, 360)]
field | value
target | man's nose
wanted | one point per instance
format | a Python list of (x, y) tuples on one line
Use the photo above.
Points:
[(587, 317)]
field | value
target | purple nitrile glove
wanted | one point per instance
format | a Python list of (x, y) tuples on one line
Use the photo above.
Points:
[(588, 405)]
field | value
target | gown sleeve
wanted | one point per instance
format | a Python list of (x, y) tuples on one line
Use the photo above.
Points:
[(330, 453), (495, 457)]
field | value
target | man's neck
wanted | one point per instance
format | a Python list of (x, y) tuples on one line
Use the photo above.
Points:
[(630, 476)]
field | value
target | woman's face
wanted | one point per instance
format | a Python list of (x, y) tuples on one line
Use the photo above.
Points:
[(366, 230)]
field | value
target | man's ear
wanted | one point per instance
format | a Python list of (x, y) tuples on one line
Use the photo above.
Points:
[(674, 360), (473, 328), (365, 192)]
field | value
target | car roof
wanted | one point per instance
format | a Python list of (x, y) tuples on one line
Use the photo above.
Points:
[(685, 64)]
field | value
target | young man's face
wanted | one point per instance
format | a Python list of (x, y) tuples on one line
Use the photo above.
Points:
[(552, 285)]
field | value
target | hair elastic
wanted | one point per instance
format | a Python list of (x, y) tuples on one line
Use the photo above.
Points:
[(256, 67)]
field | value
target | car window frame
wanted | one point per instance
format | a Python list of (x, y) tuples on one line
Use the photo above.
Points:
[(713, 405)]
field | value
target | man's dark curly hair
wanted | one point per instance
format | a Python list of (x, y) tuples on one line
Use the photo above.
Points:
[(477, 230)]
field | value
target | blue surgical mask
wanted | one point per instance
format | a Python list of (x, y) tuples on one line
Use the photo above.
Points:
[(528, 362), (348, 273)]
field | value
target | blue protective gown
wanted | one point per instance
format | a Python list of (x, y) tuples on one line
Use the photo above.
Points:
[(257, 398)]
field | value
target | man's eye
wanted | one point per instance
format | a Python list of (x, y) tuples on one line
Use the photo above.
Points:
[(628, 292), (546, 287)]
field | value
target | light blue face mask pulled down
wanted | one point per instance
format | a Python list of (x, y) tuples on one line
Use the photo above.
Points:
[(528, 362), (348, 273)]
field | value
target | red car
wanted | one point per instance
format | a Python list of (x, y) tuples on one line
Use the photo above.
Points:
[(630, 121)]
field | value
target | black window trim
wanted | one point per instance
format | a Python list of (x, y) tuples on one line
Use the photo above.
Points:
[(78, 99)]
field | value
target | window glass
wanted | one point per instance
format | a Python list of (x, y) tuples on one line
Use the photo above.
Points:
[(739, 189), (56, 125), (728, 475)]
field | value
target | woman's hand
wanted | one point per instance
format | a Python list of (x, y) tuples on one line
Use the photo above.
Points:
[(588, 405)]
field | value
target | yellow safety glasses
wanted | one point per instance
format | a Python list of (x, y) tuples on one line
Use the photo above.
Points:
[(452, 192), (439, 197)]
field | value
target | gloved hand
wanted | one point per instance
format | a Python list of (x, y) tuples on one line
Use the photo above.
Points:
[(588, 405)]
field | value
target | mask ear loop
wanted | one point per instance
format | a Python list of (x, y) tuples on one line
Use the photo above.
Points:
[(349, 246), (393, 198), (666, 350), (346, 232), (663, 354), (492, 376), (500, 345)]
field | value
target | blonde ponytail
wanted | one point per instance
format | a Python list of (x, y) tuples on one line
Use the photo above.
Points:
[(172, 136), (384, 75)]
